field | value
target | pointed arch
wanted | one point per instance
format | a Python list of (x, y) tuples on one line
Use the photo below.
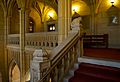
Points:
[(14, 71), (2, 5), (10, 5), (98, 6), (27, 76), (13, 17)]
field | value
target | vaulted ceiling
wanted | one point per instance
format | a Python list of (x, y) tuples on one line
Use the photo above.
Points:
[(95, 4), (51, 2)]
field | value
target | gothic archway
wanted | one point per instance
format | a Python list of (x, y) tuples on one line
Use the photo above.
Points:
[(14, 72), (14, 18)]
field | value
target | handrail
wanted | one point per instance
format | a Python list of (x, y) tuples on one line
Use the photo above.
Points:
[(63, 50), (65, 46)]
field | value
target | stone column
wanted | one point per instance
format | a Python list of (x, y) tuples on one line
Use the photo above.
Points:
[(64, 19), (6, 22), (22, 44), (69, 14), (26, 21), (93, 20)]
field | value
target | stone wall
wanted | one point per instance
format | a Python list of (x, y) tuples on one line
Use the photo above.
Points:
[(104, 26), (2, 63), (99, 23)]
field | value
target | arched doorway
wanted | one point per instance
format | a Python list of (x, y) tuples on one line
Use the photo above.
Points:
[(14, 73)]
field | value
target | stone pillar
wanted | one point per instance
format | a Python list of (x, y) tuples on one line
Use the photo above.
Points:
[(69, 14), (27, 11), (93, 20), (6, 22), (64, 19), (22, 44)]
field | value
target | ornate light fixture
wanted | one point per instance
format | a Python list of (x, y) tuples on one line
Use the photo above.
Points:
[(112, 1), (75, 8), (50, 14)]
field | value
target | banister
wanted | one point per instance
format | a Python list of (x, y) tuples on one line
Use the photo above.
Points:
[(60, 51), (65, 45)]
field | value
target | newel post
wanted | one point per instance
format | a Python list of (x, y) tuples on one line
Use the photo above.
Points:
[(39, 65)]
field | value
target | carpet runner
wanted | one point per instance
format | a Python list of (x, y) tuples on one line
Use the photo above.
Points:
[(95, 73)]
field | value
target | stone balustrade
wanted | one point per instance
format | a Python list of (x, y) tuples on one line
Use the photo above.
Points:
[(62, 58), (37, 40)]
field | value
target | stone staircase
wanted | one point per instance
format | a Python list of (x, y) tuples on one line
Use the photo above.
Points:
[(71, 72), (95, 71)]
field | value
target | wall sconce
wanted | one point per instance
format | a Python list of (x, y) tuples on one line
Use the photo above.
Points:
[(74, 8), (50, 14), (112, 1)]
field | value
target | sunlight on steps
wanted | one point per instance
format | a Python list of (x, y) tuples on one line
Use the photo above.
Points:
[(100, 62)]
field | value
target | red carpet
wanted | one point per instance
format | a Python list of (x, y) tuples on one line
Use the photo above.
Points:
[(106, 53), (95, 73)]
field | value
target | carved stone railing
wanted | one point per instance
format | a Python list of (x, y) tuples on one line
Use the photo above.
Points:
[(37, 40), (13, 52), (62, 58)]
